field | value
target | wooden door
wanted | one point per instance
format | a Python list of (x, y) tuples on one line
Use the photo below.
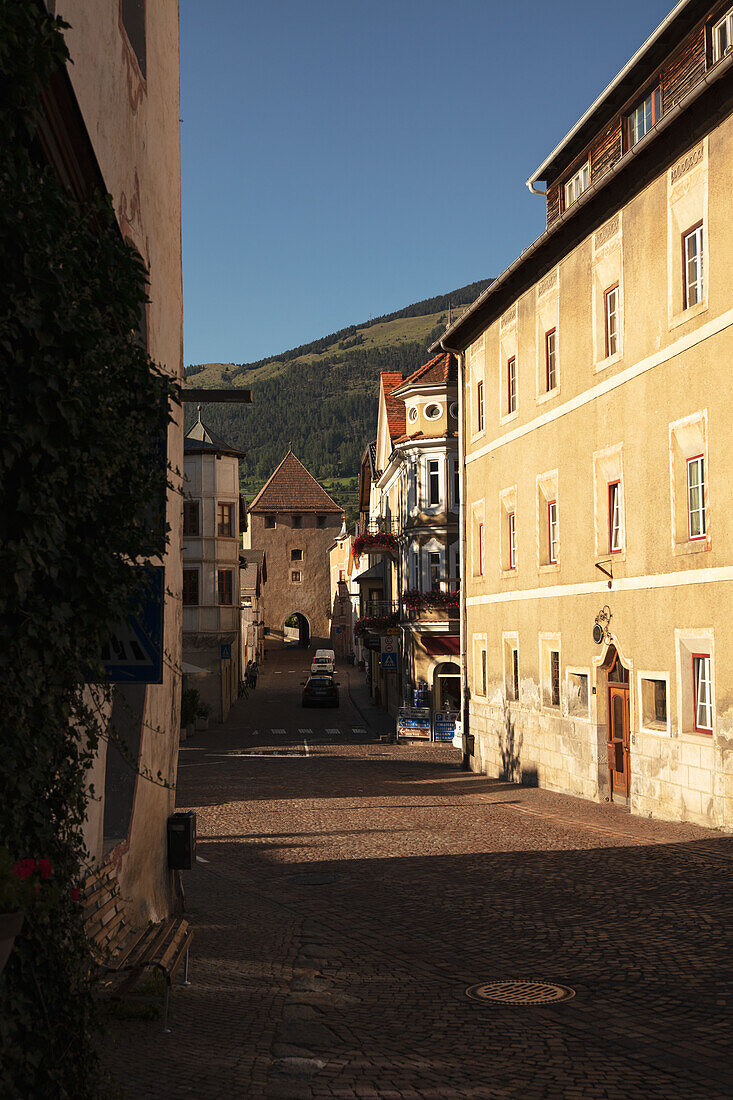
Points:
[(618, 739)]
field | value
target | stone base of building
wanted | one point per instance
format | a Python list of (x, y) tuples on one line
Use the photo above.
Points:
[(673, 779)]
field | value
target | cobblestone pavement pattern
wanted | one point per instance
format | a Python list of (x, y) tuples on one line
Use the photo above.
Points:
[(352, 890)]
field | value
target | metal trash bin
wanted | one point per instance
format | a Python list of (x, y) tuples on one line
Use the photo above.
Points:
[(182, 840)]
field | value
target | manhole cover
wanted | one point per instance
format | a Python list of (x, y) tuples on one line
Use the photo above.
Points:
[(312, 879), (515, 992)]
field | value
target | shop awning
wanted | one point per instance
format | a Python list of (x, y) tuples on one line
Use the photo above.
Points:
[(447, 645)]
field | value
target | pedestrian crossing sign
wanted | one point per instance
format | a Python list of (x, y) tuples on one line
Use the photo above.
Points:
[(389, 662)]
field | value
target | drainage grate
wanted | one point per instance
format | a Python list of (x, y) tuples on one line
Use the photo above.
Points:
[(515, 992)]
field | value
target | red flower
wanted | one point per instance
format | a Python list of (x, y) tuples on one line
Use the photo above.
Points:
[(45, 868), (24, 868)]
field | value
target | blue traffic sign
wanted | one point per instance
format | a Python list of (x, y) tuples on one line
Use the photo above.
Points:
[(389, 662), (226, 652), (134, 652)]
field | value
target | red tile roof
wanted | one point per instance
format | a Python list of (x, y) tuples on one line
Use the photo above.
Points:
[(390, 380), (442, 368), (291, 488)]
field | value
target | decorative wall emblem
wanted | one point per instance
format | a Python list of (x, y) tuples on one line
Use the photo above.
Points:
[(610, 229), (686, 164)]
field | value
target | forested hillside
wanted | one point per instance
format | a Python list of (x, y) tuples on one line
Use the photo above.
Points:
[(321, 398)]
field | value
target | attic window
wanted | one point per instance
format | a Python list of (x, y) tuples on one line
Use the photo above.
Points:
[(297, 521), (575, 187), (433, 412), (269, 521), (645, 115), (723, 36), (412, 413), (320, 521)]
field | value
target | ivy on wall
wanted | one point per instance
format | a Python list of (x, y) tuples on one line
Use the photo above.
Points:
[(81, 405)]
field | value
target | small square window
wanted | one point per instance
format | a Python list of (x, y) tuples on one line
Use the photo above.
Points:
[(270, 522), (295, 576), (320, 521), (296, 555), (654, 712), (297, 521)]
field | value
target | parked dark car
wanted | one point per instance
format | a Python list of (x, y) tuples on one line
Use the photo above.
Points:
[(320, 691)]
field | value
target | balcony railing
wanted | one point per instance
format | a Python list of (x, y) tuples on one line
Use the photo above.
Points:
[(377, 525), (377, 536), (379, 607), (376, 616)]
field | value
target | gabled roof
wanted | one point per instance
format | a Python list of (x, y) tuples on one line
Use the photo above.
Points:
[(442, 369), (291, 488), (390, 380), (201, 440)]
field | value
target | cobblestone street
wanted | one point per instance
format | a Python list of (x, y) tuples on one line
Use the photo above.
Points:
[(348, 891)]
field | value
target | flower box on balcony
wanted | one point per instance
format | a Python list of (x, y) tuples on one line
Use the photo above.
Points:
[(431, 604), (373, 543)]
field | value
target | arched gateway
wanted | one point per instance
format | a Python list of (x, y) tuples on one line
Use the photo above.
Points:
[(296, 629)]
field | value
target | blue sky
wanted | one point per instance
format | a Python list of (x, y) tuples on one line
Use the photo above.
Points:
[(343, 159)]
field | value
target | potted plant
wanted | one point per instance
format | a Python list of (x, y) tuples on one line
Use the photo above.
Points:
[(202, 716)]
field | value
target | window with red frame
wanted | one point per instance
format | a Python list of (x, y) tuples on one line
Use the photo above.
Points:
[(610, 312), (225, 519), (190, 587), (552, 531), (703, 688), (511, 385), (615, 520), (551, 359), (696, 518), (190, 517), (225, 587)]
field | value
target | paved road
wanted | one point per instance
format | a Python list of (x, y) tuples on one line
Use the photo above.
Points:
[(352, 890)]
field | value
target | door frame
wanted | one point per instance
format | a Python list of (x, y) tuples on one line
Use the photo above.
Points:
[(618, 749)]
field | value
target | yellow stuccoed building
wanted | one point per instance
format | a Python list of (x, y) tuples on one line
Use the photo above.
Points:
[(597, 445)]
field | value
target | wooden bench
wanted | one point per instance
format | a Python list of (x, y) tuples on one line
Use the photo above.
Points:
[(119, 949)]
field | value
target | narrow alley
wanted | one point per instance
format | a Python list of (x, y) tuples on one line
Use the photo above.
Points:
[(349, 891)]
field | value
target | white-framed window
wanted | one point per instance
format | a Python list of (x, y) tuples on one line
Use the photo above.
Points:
[(551, 359), (703, 692), (552, 531), (615, 518), (695, 654), (455, 482), (696, 525), (723, 36), (575, 187), (433, 468), (693, 264), (645, 115), (512, 524), (610, 309), (434, 570), (480, 406), (412, 413), (481, 549)]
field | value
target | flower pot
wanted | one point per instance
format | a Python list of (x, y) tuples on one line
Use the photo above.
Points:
[(10, 926)]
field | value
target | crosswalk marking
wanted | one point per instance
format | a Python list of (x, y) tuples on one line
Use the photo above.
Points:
[(278, 733), (333, 733), (305, 733)]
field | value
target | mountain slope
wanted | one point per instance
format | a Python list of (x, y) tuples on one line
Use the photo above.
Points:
[(321, 398)]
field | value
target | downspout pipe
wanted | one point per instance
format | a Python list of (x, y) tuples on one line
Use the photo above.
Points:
[(460, 356)]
